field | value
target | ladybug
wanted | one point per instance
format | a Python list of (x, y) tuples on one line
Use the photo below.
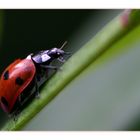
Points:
[(22, 79)]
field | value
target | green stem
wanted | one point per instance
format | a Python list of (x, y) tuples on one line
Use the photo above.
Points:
[(77, 63)]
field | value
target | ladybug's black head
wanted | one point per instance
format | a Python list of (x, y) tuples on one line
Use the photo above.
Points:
[(56, 53)]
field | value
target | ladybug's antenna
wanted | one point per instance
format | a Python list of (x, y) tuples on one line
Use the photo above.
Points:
[(64, 44)]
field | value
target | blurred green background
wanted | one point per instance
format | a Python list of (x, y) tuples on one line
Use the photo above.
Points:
[(103, 97)]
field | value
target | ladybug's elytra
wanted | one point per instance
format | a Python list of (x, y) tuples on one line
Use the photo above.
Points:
[(23, 77)]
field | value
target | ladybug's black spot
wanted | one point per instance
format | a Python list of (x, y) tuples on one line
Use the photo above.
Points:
[(19, 81), (6, 75), (4, 101)]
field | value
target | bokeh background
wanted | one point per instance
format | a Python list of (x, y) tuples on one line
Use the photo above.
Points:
[(103, 97)]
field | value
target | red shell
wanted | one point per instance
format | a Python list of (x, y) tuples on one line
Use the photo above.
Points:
[(25, 69)]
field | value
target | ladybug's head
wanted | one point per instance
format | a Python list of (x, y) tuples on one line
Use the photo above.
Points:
[(58, 53)]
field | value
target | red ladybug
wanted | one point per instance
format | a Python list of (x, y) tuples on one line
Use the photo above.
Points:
[(22, 79)]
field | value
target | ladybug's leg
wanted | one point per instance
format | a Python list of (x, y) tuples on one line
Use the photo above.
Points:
[(14, 115), (19, 98), (37, 88), (50, 67), (10, 116), (61, 59)]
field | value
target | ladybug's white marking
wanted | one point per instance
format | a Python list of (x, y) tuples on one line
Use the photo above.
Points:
[(28, 57), (45, 57)]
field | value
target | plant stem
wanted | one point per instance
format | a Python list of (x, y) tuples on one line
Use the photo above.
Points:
[(112, 32)]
